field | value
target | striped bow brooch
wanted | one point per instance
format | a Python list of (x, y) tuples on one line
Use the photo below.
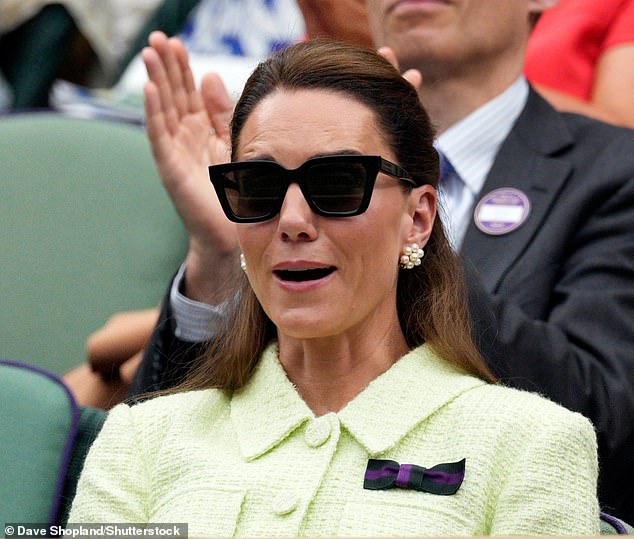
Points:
[(443, 479)]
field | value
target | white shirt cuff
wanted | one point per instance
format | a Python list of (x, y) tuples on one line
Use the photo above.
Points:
[(195, 322)]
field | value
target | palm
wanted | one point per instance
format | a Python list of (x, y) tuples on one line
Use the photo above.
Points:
[(179, 124)]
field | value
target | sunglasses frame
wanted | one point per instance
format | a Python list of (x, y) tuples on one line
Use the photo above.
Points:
[(373, 164)]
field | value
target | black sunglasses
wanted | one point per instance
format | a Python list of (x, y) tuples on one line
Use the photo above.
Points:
[(333, 186)]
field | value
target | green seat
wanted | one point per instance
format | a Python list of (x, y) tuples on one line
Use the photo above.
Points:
[(44, 437), (614, 526), (90, 422), (87, 230)]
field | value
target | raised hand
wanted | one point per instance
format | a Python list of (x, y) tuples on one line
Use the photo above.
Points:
[(413, 76), (188, 131)]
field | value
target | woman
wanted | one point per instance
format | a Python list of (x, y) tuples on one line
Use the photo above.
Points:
[(345, 396)]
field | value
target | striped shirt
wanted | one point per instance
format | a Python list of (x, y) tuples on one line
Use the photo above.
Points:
[(471, 146)]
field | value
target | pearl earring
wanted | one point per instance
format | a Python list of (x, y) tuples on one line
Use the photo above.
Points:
[(243, 263), (411, 256)]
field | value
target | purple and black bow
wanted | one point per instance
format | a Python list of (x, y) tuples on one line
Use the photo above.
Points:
[(443, 479)]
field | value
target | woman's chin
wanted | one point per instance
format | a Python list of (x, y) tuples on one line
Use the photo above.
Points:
[(306, 323)]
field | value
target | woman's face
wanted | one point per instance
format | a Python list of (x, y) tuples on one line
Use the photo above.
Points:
[(356, 258)]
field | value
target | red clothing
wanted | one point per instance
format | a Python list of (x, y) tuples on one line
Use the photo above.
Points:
[(569, 39)]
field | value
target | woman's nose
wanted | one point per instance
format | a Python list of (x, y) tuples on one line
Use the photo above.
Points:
[(296, 220)]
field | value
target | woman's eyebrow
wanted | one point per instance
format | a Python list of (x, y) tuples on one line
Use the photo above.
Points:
[(267, 157), (337, 152)]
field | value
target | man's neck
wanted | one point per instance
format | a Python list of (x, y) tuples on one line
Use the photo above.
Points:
[(451, 99)]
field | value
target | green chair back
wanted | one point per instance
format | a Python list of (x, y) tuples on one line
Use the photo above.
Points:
[(86, 230), (90, 422), (44, 437), (611, 525)]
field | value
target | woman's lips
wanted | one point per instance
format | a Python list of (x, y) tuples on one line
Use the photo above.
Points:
[(302, 279), (306, 274), (407, 4)]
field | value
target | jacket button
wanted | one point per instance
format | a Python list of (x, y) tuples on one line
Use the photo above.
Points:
[(318, 432), (285, 503)]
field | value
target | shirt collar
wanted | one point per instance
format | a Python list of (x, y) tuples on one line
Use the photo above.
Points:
[(472, 143), (268, 408)]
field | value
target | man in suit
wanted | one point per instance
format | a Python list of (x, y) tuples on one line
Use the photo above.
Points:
[(540, 204)]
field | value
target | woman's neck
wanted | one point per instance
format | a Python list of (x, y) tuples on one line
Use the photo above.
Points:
[(329, 372)]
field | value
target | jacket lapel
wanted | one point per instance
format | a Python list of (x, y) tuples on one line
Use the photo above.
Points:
[(531, 159)]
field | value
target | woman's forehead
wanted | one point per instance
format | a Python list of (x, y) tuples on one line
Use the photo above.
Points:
[(298, 124)]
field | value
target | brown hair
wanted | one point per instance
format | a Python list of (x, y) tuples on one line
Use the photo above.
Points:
[(431, 298)]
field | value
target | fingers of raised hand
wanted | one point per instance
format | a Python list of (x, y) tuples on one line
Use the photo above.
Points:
[(413, 76), (158, 76), (195, 101), (389, 55), (155, 120), (187, 97), (166, 63), (218, 104), (167, 50)]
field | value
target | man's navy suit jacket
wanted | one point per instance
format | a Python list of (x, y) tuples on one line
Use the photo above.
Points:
[(552, 301)]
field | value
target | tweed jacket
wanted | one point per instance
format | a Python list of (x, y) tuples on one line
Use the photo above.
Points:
[(257, 462)]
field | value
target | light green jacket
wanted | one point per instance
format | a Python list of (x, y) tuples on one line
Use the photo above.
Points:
[(257, 462)]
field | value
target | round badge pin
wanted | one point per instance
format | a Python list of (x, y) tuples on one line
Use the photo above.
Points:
[(501, 211)]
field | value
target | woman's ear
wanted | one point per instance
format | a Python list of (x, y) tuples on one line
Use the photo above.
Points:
[(423, 202)]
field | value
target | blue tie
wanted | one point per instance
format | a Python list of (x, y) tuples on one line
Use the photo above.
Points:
[(450, 187), (446, 168), (450, 182)]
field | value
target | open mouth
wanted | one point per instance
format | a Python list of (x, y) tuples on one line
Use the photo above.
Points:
[(308, 274)]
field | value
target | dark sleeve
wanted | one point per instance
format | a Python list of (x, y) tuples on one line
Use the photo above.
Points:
[(167, 359), (582, 354)]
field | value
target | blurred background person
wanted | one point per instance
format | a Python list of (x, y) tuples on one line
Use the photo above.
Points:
[(95, 45), (580, 57), (77, 40)]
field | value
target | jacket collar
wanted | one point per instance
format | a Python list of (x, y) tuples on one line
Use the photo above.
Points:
[(533, 160), (268, 408)]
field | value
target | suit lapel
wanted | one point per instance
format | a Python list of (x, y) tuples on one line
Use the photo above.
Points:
[(526, 161)]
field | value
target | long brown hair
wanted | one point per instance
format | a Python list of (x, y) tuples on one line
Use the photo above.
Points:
[(431, 298)]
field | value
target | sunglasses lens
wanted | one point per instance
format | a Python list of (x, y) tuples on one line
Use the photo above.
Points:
[(252, 192), (337, 188)]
